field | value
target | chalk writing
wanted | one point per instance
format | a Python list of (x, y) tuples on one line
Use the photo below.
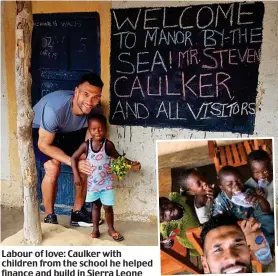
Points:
[(203, 16), (49, 46), (58, 23), (72, 24), (194, 66), (83, 45), (49, 54)]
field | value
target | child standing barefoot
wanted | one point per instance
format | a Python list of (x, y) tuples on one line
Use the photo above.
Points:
[(100, 186)]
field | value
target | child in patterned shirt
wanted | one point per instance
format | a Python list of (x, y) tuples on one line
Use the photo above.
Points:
[(236, 199), (100, 186)]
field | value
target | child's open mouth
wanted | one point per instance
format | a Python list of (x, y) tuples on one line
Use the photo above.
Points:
[(235, 269), (237, 192)]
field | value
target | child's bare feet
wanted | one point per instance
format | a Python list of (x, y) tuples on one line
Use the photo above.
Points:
[(95, 234)]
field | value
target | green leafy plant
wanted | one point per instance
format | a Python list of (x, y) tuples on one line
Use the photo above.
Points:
[(120, 167)]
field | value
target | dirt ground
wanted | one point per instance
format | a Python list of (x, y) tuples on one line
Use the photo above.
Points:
[(135, 233)]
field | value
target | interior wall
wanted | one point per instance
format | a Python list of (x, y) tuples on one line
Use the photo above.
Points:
[(165, 181), (5, 166), (165, 147)]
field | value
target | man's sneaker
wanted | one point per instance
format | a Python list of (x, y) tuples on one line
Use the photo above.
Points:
[(51, 218), (80, 218), (85, 211), (89, 214)]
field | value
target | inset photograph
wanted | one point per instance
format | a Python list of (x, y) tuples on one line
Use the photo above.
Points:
[(216, 206)]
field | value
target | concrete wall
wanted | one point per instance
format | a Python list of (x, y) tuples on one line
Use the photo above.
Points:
[(11, 188), (5, 166), (136, 195)]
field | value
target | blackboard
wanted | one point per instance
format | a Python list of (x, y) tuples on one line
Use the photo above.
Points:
[(190, 67)]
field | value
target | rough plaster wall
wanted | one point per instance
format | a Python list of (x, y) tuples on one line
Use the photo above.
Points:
[(11, 190), (5, 168), (139, 143)]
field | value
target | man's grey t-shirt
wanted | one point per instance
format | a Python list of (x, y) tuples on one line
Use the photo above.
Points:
[(54, 113)]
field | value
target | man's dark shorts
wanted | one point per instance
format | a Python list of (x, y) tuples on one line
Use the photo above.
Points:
[(67, 142)]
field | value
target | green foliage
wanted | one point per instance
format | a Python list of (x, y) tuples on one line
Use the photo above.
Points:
[(120, 167)]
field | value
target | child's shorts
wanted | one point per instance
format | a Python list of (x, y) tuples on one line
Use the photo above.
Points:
[(107, 197)]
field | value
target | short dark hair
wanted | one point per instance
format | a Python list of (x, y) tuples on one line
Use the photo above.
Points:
[(228, 170), (215, 222), (258, 155), (92, 79), (182, 180), (99, 117), (163, 199)]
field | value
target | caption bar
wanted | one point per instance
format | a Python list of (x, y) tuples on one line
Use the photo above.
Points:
[(96, 261)]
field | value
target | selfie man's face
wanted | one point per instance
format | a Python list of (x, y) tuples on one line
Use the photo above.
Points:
[(226, 251), (87, 97)]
